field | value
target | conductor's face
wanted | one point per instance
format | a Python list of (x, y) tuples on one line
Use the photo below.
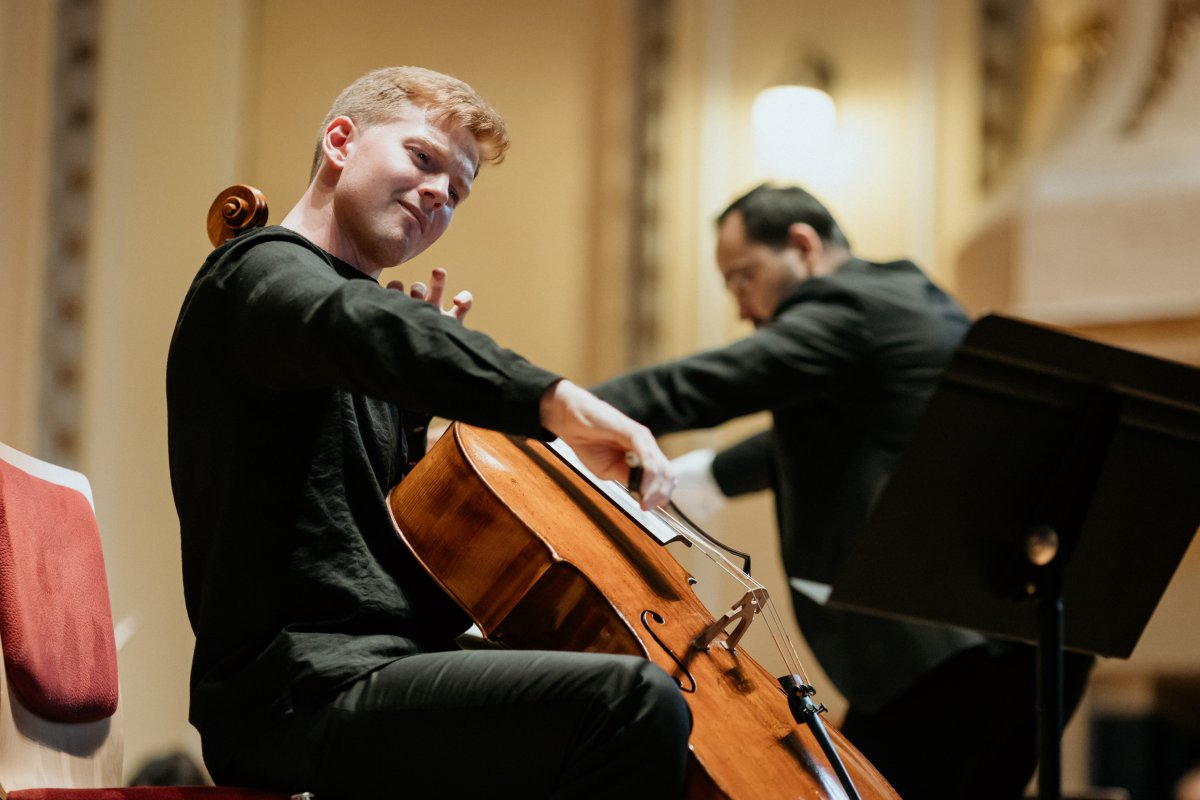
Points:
[(757, 275), (400, 183)]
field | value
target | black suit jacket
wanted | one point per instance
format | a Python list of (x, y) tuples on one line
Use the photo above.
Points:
[(845, 367)]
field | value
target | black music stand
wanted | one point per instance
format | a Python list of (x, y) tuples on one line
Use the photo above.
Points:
[(1048, 495)]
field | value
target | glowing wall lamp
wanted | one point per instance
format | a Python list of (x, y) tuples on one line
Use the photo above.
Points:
[(793, 123)]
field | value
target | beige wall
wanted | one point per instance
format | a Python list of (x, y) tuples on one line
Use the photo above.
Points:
[(25, 42), (238, 98), (164, 136), (522, 243), (195, 96)]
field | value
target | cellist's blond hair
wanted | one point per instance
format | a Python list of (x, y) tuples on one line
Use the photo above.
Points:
[(377, 97)]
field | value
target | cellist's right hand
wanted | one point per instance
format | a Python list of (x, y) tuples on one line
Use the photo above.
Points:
[(603, 438)]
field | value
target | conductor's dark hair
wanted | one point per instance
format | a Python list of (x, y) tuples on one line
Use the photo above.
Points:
[(768, 211)]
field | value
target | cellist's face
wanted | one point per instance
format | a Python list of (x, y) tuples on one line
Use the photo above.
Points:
[(399, 184)]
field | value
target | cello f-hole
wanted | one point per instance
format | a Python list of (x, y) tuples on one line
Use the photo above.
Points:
[(658, 619)]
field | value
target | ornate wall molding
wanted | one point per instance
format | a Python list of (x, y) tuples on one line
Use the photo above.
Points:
[(68, 233), (651, 54), (1038, 71), (1179, 20), (1004, 44)]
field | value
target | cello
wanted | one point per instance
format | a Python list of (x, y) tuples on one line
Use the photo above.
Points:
[(541, 555)]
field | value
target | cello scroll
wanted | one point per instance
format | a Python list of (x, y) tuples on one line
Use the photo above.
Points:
[(238, 208)]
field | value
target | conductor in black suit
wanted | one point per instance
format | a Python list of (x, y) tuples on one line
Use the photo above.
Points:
[(845, 355)]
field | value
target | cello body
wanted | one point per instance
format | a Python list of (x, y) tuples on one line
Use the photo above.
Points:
[(540, 559)]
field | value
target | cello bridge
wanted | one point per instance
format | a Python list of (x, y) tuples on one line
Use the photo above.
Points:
[(740, 615)]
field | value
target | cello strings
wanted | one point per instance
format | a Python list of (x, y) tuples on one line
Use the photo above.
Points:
[(689, 532), (783, 643)]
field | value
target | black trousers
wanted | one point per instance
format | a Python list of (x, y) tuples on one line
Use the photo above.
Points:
[(483, 723), (968, 729)]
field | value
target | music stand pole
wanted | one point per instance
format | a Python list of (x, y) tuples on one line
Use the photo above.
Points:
[(1049, 677), (1048, 547)]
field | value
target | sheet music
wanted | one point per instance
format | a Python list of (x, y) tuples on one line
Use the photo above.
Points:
[(617, 492)]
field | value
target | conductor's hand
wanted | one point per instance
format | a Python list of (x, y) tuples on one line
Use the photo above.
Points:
[(434, 291), (603, 437)]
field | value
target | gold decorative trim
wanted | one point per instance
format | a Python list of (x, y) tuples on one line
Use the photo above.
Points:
[(1178, 20), (652, 54), (1004, 37), (67, 232)]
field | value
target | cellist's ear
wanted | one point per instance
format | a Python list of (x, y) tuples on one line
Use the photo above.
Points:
[(338, 141)]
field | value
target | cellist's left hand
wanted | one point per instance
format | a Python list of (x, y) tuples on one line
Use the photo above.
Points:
[(433, 292)]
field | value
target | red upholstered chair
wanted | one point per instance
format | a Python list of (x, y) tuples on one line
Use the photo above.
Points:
[(60, 710)]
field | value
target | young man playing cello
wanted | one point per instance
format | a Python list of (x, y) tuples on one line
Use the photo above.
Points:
[(298, 393)]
